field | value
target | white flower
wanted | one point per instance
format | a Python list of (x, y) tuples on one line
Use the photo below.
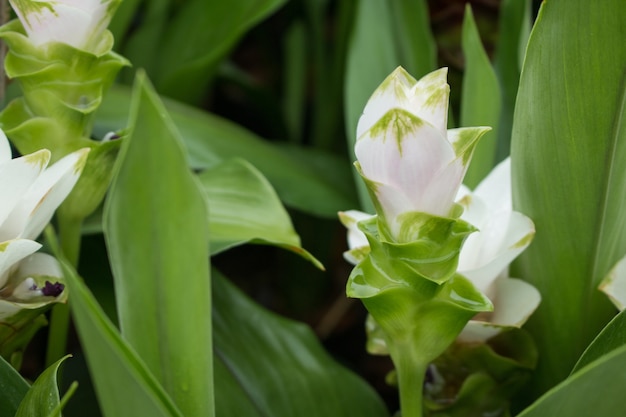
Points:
[(79, 23), (30, 194), (410, 161), (503, 234), (614, 285)]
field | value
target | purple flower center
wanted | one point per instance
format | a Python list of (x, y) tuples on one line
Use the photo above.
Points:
[(52, 290)]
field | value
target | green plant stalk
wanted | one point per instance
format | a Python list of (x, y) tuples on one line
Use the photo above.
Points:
[(70, 237), (411, 372)]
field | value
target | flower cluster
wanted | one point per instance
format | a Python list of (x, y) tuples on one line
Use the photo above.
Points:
[(413, 164), (31, 191)]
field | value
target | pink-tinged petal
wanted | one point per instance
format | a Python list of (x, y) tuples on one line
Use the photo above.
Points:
[(49, 191), (429, 99), (614, 285), (11, 252), (495, 189), (391, 94), (16, 177), (406, 153), (498, 242), (515, 301), (5, 148)]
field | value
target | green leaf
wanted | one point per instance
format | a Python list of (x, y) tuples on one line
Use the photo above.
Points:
[(157, 238), (42, 399), (266, 365), (303, 180), (613, 336), (596, 390), (12, 389), (198, 36), (514, 23), (569, 144), (245, 208), (124, 385), (415, 42), (480, 101)]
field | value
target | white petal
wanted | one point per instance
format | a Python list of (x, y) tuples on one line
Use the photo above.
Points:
[(16, 177), (495, 189), (408, 154), (11, 252), (39, 264), (391, 94), (515, 301), (49, 191), (5, 148), (614, 285), (489, 251), (429, 99), (350, 218)]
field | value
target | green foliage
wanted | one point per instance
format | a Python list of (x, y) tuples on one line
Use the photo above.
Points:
[(259, 354), (42, 399), (480, 101), (612, 337), (568, 141), (157, 237), (13, 388), (313, 181)]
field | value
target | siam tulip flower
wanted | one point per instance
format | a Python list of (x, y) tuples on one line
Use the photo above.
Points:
[(79, 23), (30, 195), (410, 162), (503, 234), (614, 284)]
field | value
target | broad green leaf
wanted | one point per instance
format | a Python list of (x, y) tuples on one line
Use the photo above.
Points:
[(298, 179), (245, 208), (514, 23), (196, 39), (12, 389), (480, 101), (569, 144), (42, 399), (613, 336), (266, 365), (155, 225), (124, 385), (596, 390)]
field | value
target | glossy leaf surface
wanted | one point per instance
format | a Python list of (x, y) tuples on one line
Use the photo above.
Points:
[(12, 389), (613, 336)]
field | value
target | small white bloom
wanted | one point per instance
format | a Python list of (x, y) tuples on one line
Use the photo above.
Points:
[(79, 23), (31, 193), (614, 285), (410, 161)]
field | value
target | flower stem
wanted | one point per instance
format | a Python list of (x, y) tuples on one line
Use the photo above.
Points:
[(69, 236), (411, 373)]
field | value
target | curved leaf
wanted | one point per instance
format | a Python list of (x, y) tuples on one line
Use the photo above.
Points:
[(245, 208), (266, 365), (299, 178), (613, 336), (42, 399), (569, 144), (596, 390)]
